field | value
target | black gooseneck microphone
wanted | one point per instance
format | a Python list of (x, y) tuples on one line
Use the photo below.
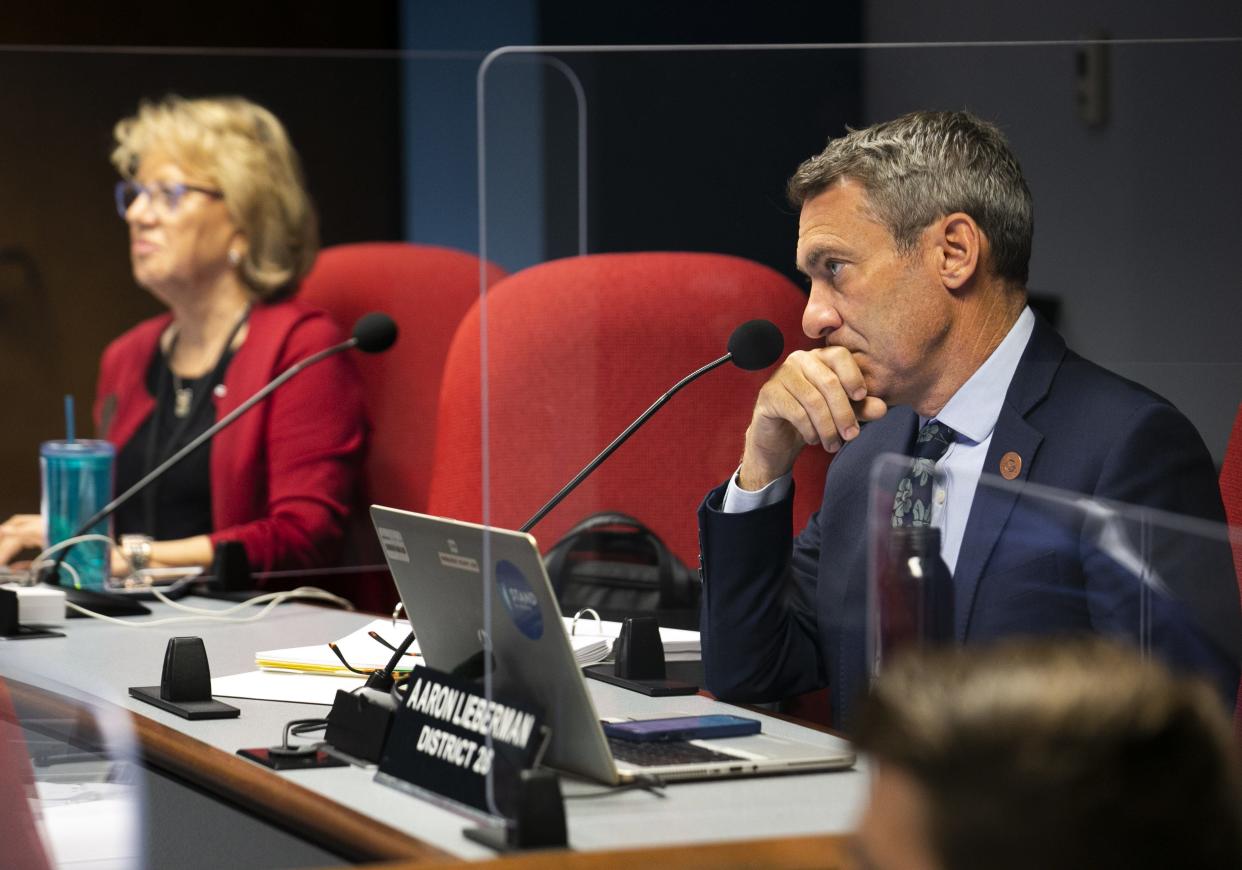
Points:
[(372, 333), (754, 345)]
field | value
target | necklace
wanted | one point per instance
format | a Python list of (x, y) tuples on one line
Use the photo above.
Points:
[(183, 395)]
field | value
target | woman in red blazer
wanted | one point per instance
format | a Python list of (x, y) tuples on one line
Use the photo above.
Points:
[(221, 231)]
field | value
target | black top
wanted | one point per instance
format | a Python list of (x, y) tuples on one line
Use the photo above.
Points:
[(178, 505)]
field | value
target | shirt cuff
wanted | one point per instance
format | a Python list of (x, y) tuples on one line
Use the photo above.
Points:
[(739, 501)]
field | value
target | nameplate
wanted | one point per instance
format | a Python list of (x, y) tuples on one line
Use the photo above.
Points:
[(448, 739)]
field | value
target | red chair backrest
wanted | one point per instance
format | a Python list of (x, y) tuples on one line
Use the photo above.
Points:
[(1231, 494), (577, 349), (426, 290)]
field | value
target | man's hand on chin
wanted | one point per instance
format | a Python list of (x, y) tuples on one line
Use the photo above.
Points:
[(816, 397)]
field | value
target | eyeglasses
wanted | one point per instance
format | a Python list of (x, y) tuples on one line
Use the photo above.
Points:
[(164, 196)]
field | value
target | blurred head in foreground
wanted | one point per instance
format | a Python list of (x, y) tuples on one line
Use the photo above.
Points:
[(1038, 754)]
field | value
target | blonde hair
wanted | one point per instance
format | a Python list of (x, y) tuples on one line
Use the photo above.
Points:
[(242, 149)]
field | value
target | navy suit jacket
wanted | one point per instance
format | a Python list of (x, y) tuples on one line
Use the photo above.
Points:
[(782, 616)]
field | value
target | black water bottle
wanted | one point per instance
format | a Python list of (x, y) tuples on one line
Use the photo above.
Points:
[(916, 592)]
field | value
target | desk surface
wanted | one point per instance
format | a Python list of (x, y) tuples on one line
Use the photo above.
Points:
[(104, 660)]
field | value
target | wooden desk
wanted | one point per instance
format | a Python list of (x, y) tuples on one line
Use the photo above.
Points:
[(241, 783), (828, 852), (340, 810)]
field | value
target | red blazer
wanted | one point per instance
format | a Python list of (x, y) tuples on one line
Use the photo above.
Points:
[(283, 475)]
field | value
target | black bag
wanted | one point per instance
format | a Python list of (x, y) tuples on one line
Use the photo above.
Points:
[(618, 567)]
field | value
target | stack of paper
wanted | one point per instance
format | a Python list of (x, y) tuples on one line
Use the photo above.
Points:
[(364, 652), (677, 641), (589, 650), (312, 674), (359, 649)]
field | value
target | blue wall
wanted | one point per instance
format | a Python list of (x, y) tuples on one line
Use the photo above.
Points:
[(440, 129)]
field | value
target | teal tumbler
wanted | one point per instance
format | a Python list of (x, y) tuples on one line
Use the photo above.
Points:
[(77, 482)]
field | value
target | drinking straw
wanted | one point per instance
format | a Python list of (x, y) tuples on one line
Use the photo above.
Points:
[(69, 417)]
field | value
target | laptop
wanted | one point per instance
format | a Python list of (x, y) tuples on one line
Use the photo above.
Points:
[(440, 567)]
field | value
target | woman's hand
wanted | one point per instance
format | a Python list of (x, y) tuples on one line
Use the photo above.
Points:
[(20, 532), (184, 553), (120, 566)]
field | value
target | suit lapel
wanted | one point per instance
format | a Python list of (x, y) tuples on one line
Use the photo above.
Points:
[(990, 510), (993, 505)]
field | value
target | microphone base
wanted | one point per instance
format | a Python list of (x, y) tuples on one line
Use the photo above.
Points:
[(103, 603), (208, 709), (540, 820), (26, 632), (185, 683), (358, 725), (96, 601), (656, 688)]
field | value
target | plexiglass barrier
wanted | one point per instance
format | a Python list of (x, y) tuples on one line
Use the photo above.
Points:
[(684, 152), (1006, 557), (687, 236), (73, 791)]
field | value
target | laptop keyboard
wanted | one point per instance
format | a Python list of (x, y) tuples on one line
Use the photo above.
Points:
[(657, 753)]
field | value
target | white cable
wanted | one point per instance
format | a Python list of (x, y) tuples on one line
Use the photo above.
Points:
[(275, 598), (42, 559), (77, 578), (197, 613), (312, 592), (69, 542), (171, 620)]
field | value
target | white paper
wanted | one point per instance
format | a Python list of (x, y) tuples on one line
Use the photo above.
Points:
[(313, 674), (292, 686), (675, 640), (92, 825), (363, 652), (589, 650), (360, 650)]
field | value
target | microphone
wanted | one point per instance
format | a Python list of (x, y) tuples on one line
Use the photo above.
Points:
[(754, 345), (372, 333)]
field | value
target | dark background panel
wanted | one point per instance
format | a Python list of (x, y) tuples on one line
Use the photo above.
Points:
[(329, 71), (65, 285), (718, 182)]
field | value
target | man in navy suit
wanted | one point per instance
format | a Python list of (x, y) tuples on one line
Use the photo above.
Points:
[(915, 235)]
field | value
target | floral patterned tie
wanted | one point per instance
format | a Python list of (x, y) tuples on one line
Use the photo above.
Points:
[(912, 504)]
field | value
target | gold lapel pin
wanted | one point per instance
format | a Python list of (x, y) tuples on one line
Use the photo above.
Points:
[(1010, 465)]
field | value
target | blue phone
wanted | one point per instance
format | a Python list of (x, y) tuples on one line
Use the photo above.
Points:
[(682, 728)]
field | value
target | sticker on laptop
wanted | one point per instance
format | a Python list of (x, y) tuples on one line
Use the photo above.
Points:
[(519, 599), (454, 559), (393, 544)]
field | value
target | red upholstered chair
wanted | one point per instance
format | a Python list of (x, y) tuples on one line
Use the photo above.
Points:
[(1231, 494), (578, 348), (426, 290)]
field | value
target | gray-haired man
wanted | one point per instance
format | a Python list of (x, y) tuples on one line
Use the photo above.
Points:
[(915, 235)]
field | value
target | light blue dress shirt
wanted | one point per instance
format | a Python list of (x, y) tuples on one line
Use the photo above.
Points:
[(972, 412)]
